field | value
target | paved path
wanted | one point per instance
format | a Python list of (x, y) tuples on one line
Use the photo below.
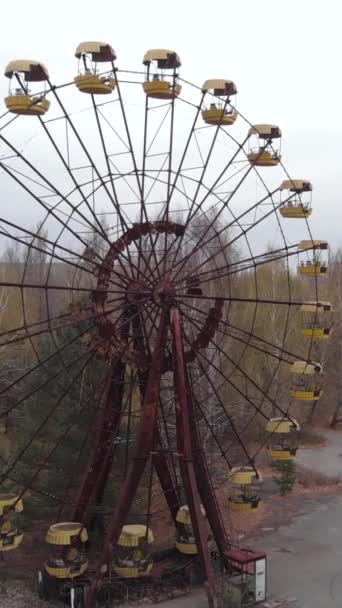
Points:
[(305, 557), (328, 459)]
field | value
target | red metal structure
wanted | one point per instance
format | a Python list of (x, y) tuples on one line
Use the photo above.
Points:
[(139, 296)]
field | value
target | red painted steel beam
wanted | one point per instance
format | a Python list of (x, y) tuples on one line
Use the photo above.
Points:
[(205, 488), (159, 460), (185, 448), (107, 427), (143, 447)]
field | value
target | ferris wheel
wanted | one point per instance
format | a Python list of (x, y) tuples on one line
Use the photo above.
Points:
[(159, 259)]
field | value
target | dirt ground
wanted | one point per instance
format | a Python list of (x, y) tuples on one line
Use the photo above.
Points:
[(299, 532)]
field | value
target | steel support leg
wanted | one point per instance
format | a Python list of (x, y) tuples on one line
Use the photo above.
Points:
[(143, 448), (99, 463), (203, 481), (160, 461), (184, 422)]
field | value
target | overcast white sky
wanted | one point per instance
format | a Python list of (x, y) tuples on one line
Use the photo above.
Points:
[(284, 55)]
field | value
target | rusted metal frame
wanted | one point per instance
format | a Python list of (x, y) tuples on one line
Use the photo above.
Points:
[(65, 225), (168, 479), (76, 184), (19, 480), (104, 148), (54, 328), (47, 181), (244, 300), (279, 356), (200, 245), (44, 287), (286, 255), (201, 340), (95, 477), (57, 287), (153, 242), (231, 422), (159, 459), (46, 299), (255, 337), (285, 245), (37, 323), (85, 150), (90, 431), (44, 205), (220, 199), (12, 119), (143, 447), (15, 405), (74, 466), (155, 270), (143, 210), (46, 419), (54, 194), (125, 277), (159, 263), (237, 366), (256, 259), (70, 363), (186, 456), (192, 214), (202, 242), (198, 406), (316, 278), (128, 134), (170, 165), (200, 181), (129, 416), (204, 483), (149, 498), (210, 427), (41, 362), (52, 206), (60, 440), (47, 251), (131, 149), (117, 172)]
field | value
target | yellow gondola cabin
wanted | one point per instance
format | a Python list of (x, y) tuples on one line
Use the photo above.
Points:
[(261, 150), (68, 558), (220, 110), (89, 79), (21, 100), (299, 192), (282, 440), (306, 381), (161, 79), (243, 489), (132, 556), (186, 542), (11, 534), (316, 265), (316, 320)]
